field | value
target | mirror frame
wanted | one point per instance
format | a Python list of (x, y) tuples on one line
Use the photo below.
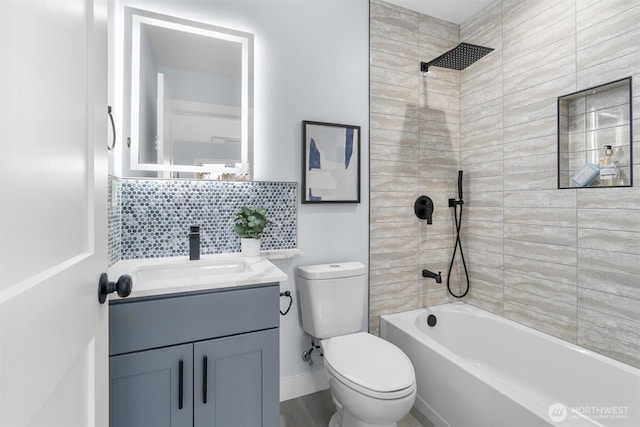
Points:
[(135, 18)]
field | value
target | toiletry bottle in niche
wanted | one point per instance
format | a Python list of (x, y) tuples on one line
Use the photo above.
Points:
[(609, 173), (619, 158)]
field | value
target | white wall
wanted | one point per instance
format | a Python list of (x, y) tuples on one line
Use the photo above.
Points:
[(311, 63)]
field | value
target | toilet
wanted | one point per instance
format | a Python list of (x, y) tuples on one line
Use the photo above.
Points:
[(371, 380)]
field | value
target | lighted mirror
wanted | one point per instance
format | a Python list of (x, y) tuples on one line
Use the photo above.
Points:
[(191, 94)]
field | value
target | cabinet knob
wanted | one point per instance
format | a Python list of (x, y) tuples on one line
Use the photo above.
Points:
[(122, 287)]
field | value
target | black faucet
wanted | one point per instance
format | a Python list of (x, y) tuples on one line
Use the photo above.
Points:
[(431, 274), (194, 242)]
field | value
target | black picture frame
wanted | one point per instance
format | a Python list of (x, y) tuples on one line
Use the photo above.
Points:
[(330, 163)]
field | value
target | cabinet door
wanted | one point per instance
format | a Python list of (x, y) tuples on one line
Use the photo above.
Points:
[(152, 388), (237, 381)]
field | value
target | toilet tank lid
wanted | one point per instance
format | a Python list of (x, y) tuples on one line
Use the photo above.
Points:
[(332, 271)]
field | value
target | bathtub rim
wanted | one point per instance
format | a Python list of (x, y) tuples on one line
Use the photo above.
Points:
[(536, 404), (461, 306)]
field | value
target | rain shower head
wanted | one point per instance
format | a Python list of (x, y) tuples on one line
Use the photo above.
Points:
[(458, 58)]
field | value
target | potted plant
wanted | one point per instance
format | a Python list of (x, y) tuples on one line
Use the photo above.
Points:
[(249, 225)]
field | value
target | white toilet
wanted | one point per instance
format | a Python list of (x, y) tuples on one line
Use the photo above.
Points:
[(372, 381)]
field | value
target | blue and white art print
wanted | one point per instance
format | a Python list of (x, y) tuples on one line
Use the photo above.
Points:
[(331, 166)]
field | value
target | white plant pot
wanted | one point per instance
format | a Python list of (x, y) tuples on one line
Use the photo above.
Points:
[(250, 247)]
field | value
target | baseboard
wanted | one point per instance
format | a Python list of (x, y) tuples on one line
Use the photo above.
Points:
[(304, 384), (421, 418), (428, 414)]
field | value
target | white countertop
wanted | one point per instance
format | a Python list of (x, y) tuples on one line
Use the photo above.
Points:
[(158, 276)]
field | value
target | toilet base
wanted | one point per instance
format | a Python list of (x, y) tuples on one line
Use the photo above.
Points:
[(373, 412), (336, 421), (342, 418)]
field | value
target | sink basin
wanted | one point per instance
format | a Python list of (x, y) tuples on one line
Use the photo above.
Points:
[(162, 276), (189, 270)]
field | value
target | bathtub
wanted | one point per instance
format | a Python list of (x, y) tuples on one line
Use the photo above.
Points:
[(477, 369)]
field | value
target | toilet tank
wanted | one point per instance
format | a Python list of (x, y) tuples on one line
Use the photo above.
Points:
[(332, 298)]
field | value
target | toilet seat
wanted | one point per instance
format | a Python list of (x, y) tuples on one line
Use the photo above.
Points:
[(369, 365)]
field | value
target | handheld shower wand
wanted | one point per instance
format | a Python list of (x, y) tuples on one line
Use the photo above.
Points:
[(453, 203)]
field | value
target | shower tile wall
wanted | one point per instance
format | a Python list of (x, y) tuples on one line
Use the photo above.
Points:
[(415, 146), (565, 262)]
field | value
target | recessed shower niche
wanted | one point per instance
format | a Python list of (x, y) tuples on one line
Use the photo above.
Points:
[(595, 137)]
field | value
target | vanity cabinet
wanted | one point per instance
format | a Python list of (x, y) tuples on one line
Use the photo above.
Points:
[(145, 388), (235, 379), (196, 359)]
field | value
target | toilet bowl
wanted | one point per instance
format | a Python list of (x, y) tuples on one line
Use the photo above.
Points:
[(371, 380)]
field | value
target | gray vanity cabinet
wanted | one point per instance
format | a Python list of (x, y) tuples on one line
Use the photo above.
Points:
[(145, 388), (237, 383), (201, 359)]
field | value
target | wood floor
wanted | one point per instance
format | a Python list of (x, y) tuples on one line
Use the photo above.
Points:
[(315, 410)]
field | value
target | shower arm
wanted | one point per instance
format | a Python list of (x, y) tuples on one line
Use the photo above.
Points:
[(424, 66)]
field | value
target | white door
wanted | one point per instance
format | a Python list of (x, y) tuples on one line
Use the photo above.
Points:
[(53, 213)]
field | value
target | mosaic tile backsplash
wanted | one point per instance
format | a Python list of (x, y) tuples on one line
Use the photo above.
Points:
[(115, 220), (150, 218)]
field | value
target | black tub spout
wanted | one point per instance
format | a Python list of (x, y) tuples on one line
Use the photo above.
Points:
[(431, 274)]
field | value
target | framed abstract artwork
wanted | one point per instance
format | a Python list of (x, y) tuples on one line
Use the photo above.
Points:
[(330, 163)]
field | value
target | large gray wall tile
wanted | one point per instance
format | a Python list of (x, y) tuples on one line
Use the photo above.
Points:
[(561, 261)]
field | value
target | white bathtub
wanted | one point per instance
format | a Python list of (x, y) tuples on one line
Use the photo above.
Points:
[(476, 369)]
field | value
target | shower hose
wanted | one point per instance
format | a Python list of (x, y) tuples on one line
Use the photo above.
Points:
[(458, 223)]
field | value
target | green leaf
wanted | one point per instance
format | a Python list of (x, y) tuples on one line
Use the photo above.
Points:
[(250, 223)]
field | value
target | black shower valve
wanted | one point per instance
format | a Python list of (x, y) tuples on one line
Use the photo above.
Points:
[(423, 208)]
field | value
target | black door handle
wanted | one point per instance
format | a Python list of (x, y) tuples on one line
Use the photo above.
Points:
[(204, 380), (122, 286), (180, 384)]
